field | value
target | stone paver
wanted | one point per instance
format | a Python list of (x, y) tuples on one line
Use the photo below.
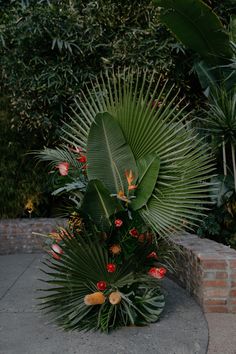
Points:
[(24, 330)]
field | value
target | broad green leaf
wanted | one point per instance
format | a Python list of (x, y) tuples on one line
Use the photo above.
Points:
[(181, 191), (197, 27), (98, 204), (108, 153), (148, 168)]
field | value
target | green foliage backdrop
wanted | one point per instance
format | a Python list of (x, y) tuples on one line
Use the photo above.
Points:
[(49, 50)]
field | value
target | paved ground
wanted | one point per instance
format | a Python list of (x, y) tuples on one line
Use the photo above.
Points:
[(23, 330)]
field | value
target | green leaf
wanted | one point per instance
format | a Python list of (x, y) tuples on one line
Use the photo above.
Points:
[(206, 76), (109, 156), (186, 166), (148, 167), (197, 27), (98, 204)]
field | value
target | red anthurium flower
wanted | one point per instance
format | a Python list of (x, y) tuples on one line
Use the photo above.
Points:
[(56, 251), (63, 168), (101, 285), (158, 273), (118, 222), (82, 159), (134, 232), (111, 267), (152, 255)]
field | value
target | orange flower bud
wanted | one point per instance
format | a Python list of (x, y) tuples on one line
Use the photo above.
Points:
[(96, 298), (115, 298)]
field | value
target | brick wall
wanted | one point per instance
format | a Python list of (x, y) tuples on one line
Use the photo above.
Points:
[(205, 268), (16, 234)]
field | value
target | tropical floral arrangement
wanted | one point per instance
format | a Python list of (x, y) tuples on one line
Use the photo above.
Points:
[(135, 173)]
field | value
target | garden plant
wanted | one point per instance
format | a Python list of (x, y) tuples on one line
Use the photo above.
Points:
[(135, 172)]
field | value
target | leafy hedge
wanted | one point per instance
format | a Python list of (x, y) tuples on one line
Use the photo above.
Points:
[(49, 50)]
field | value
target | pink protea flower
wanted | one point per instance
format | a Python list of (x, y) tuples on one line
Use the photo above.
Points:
[(63, 168), (56, 251), (158, 273), (118, 223), (134, 232)]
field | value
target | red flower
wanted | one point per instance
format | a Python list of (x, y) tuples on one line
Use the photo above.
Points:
[(82, 159), (101, 285), (111, 267), (158, 273), (118, 222), (56, 251), (63, 168), (152, 255), (134, 232)]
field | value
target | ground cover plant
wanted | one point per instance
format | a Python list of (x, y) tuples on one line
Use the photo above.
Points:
[(135, 172)]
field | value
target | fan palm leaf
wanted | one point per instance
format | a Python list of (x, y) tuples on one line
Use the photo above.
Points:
[(76, 274), (152, 122)]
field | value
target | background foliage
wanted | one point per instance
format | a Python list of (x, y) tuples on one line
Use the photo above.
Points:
[(51, 49)]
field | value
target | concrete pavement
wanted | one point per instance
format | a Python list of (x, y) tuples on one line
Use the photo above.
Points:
[(24, 330)]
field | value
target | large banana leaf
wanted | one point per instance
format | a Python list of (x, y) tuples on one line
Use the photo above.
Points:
[(197, 27), (183, 180), (98, 204), (108, 153), (148, 170)]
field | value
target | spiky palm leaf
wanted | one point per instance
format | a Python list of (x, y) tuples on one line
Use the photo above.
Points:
[(75, 275), (184, 161)]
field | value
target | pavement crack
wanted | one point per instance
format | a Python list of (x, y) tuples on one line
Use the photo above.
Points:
[(19, 276)]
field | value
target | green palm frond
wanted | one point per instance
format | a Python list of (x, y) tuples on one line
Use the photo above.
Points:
[(221, 115), (57, 155), (152, 122), (76, 274)]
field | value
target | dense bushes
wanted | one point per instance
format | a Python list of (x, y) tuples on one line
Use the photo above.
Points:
[(50, 49)]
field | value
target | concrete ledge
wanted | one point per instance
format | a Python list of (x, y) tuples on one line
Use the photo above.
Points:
[(205, 268)]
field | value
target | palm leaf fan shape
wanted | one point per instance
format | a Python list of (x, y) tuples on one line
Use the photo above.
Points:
[(152, 121), (75, 276)]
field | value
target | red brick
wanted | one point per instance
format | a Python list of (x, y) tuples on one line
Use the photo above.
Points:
[(215, 283), (214, 264), (222, 309), (211, 293), (215, 302), (221, 275), (233, 284), (232, 263), (232, 293), (233, 302)]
